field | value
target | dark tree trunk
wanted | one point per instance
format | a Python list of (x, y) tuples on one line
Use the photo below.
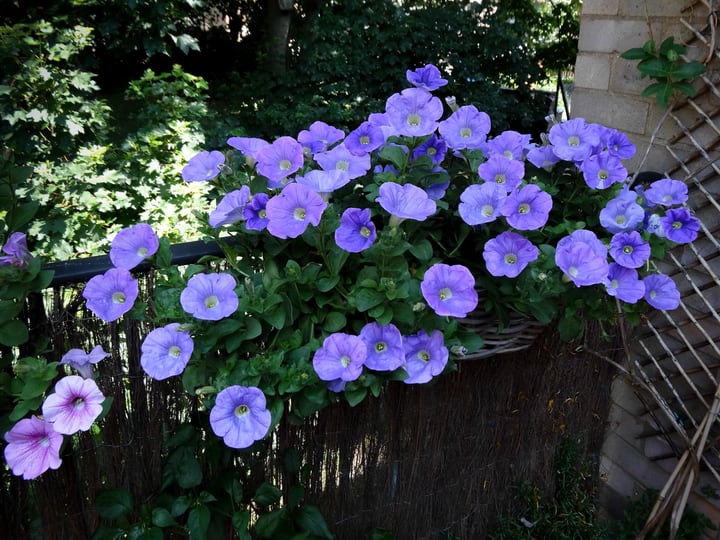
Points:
[(278, 30)]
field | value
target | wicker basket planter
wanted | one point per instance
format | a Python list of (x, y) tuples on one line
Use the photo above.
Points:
[(518, 334)]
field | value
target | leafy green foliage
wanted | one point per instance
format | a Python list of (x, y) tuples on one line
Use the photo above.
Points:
[(24, 379), (568, 514), (47, 108), (106, 187), (665, 64), (488, 47)]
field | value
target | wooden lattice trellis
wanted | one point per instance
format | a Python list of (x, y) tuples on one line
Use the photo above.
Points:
[(675, 356)]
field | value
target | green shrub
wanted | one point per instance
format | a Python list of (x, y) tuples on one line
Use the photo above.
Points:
[(348, 57), (106, 187), (47, 103)]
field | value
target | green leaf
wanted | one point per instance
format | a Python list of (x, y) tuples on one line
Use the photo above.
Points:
[(670, 49), (684, 88), (310, 519), (366, 299), (334, 322), (275, 317), (253, 328), (395, 155), (163, 256), (13, 333), (422, 250), (198, 522), (291, 460), (9, 309), (183, 469), (570, 326), (267, 524), (634, 54), (267, 494), (113, 503), (325, 284), (241, 522), (161, 517), (355, 395), (662, 92), (688, 70), (657, 68), (23, 214), (180, 506)]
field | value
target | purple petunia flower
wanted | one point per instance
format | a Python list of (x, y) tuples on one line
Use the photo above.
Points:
[(428, 78), (82, 362), (508, 254), (629, 249), (240, 416), (405, 202), (203, 166), (661, 292), (356, 231), (583, 258), (341, 356), (653, 225), (341, 159), (248, 146), (616, 142), (384, 345), (210, 297), (364, 139), (573, 140), (602, 170), (166, 351), (133, 245), (623, 284), (254, 212), (33, 448), (680, 225), (324, 182), (437, 190), (621, 214), (542, 157), (413, 112), (667, 192), (231, 208), (502, 170), (435, 148), (425, 356), (16, 251), (510, 144), (290, 212), (465, 128), (279, 160), (481, 203), (528, 208), (74, 406), (111, 294), (449, 290), (319, 137)]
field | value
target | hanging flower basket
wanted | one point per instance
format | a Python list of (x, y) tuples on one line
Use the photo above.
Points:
[(519, 333)]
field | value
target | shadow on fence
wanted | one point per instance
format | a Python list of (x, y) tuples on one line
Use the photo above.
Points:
[(417, 461)]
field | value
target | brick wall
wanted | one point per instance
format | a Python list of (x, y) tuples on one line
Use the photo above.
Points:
[(607, 88)]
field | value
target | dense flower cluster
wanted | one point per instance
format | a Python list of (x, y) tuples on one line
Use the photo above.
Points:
[(76, 403), (352, 260)]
